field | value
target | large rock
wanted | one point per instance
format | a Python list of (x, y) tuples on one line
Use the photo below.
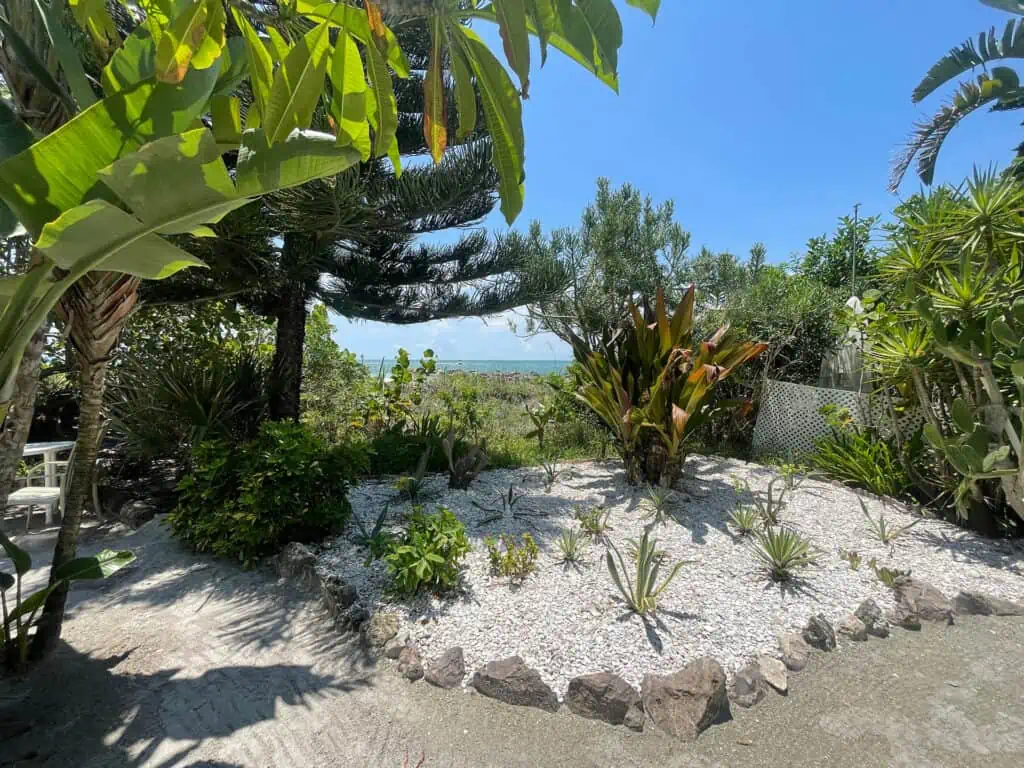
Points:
[(449, 670), (136, 513), (819, 633), (747, 688), (379, 629), (917, 601), (410, 665), (977, 604), (873, 617), (685, 703), (795, 651), (602, 696), (773, 673), (338, 598), (853, 628), (511, 681), (393, 648), (296, 562)]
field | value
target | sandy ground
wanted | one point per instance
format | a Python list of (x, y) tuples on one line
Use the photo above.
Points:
[(183, 661)]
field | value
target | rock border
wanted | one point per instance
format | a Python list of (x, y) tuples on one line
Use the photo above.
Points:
[(682, 704)]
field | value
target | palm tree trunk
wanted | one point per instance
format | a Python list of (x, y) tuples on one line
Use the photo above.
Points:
[(19, 415), (286, 383), (95, 309)]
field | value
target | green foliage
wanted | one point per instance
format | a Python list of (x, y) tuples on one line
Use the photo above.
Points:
[(245, 501), (513, 560), (745, 519), (551, 472), (882, 530), (782, 552), (411, 486), (19, 613), (392, 400), (830, 259), (658, 504), (572, 545), (768, 508), (860, 457), (593, 521), (652, 383), (641, 593), (430, 552), (376, 540), (851, 557), (464, 469), (888, 576), (331, 379)]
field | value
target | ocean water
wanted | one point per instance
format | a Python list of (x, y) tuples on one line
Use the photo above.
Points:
[(482, 366)]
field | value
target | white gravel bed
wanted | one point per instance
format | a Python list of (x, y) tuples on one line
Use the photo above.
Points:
[(566, 621)]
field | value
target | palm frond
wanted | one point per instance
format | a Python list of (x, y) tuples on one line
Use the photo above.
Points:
[(970, 54)]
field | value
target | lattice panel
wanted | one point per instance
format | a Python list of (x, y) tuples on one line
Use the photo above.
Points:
[(790, 421)]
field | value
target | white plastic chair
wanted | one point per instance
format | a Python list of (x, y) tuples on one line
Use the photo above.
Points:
[(49, 498)]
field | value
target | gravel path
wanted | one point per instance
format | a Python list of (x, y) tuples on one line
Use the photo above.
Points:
[(566, 621)]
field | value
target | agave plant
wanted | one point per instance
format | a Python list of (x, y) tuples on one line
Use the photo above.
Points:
[(657, 504), (745, 520), (651, 382), (882, 530), (782, 551), (641, 593), (572, 544)]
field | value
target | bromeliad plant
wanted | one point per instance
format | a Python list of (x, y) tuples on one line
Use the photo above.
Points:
[(19, 614), (657, 505), (641, 593), (652, 383), (782, 552)]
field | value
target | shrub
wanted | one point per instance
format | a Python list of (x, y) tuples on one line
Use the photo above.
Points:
[(430, 552), (653, 383), (247, 501), (507, 558), (860, 457), (641, 594), (782, 551)]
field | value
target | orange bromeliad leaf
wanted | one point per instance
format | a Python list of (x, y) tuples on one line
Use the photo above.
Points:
[(375, 20)]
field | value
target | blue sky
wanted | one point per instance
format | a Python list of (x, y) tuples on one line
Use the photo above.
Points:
[(763, 121)]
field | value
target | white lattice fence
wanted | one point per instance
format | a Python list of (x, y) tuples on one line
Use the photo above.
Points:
[(790, 420)]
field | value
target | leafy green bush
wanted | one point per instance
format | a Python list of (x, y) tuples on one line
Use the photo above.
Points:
[(429, 553), (247, 501), (508, 558), (860, 457)]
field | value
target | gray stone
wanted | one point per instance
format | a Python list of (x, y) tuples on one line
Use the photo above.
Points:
[(449, 670), (511, 681), (338, 597), (352, 618), (977, 604), (773, 673), (136, 513), (602, 696), (634, 719), (410, 665), (685, 703), (747, 688), (393, 647), (795, 651), (916, 601), (853, 628), (380, 628), (819, 633), (296, 563), (873, 618)]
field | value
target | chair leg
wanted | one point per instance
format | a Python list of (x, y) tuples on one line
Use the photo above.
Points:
[(28, 518), (49, 514)]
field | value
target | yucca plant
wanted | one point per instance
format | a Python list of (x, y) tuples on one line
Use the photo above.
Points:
[(551, 472), (783, 551), (642, 592), (745, 520), (651, 382), (657, 504), (572, 545), (882, 530), (768, 508)]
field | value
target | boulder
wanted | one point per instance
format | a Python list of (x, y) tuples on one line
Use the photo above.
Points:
[(136, 513), (393, 647), (795, 651), (602, 696), (634, 719), (685, 703), (296, 563), (853, 628), (819, 633), (449, 670), (773, 673), (747, 688), (511, 681), (977, 604), (916, 600), (873, 617), (410, 665), (380, 628), (337, 597)]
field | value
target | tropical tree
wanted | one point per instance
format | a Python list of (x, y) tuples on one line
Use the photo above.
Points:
[(834, 259), (626, 247), (998, 88), (129, 167)]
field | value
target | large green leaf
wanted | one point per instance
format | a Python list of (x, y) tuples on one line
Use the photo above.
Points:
[(354, 21), (261, 66), (511, 18), (15, 137), (465, 94), (503, 111), (606, 27), (302, 157), (544, 23), (6, 581), (27, 57), (132, 63), (650, 7), (59, 171), (19, 557), (195, 37), (50, 13), (435, 100), (234, 67), (298, 84), (99, 566), (348, 100), (383, 90)]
